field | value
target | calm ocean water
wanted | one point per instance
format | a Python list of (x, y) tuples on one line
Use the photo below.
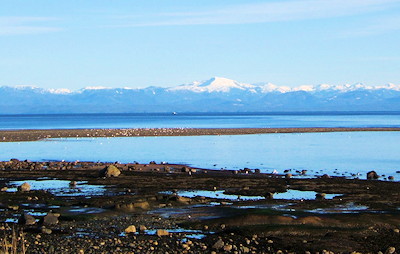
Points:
[(200, 120), (348, 152), (333, 153)]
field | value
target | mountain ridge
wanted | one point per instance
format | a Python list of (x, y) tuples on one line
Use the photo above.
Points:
[(220, 84), (214, 95)]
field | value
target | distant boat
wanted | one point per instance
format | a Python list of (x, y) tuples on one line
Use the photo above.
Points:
[(174, 113)]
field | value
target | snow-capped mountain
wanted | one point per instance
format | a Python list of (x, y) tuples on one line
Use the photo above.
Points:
[(215, 84), (213, 95)]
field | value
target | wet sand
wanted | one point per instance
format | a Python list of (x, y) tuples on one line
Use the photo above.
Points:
[(362, 215), (34, 135)]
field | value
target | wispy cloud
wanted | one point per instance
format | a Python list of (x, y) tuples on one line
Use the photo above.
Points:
[(376, 26), (26, 25), (276, 11)]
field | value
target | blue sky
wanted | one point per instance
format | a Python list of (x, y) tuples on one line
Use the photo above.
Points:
[(74, 44)]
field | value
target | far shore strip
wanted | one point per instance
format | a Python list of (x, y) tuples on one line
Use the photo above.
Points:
[(34, 135)]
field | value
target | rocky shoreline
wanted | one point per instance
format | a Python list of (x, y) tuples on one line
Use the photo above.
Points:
[(38, 134), (95, 207)]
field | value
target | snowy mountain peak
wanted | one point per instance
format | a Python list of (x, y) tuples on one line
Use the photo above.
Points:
[(59, 91), (215, 84), (96, 88)]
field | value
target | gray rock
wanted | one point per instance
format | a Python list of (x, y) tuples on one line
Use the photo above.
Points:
[(26, 219), (218, 244), (50, 219)]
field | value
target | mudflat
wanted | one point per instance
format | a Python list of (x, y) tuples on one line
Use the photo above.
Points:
[(96, 207), (38, 134)]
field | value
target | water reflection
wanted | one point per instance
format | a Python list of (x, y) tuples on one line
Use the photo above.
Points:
[(337, 154)]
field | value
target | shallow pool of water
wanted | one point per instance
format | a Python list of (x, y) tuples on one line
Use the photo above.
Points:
[(60, 187), (219, 194), (298, 195)]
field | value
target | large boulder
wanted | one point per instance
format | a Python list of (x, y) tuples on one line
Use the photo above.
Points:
[(110, 171), (372, 175)]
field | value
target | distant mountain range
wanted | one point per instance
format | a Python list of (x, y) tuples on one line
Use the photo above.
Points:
[(214, 95)]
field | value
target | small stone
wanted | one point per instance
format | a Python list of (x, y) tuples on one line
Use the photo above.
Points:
[(372, 175), (142, 228), (130, 229), (162, 232), (270, 241), (72, 184), (218, 244), (4, 189), (47, 231), (396, 230), (13, 207), (50, 219), (26, 219), (390, 250), (24, 187), (244, 249), (228, 247)]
